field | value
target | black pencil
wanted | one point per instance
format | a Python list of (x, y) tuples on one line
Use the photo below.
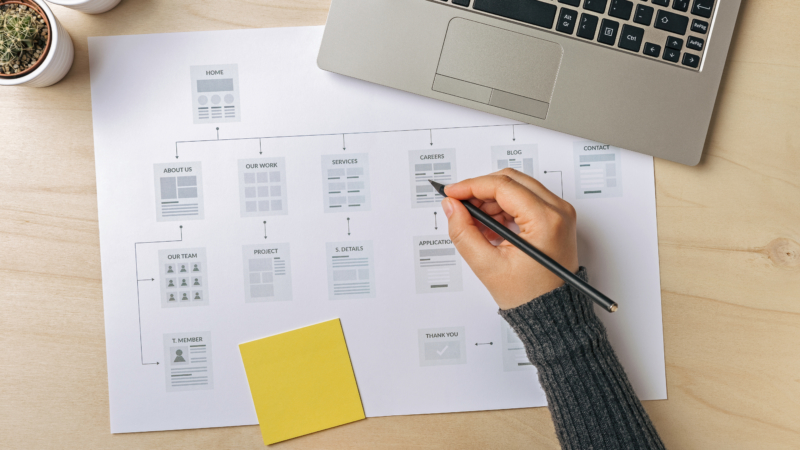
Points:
[(539, 256)]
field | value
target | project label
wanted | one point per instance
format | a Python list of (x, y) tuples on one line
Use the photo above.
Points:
[(267, 273)]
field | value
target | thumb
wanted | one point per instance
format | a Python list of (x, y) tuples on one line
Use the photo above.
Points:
[(468, 239)]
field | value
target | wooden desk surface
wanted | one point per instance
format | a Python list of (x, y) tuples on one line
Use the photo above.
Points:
[(729, 233)]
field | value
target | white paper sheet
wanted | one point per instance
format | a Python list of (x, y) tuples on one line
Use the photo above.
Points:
[(300, 203)]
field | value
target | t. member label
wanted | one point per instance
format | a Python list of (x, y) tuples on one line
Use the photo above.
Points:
[(188, 361)]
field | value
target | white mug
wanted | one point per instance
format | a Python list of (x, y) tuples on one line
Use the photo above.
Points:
[(87, 6)]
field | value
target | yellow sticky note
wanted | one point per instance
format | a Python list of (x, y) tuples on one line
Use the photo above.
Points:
[(302, 381)]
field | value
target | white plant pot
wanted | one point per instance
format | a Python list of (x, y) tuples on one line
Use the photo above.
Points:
[(57, 62), (87, 6)]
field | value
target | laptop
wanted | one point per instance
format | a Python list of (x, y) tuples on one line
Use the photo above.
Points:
[(640, 75)]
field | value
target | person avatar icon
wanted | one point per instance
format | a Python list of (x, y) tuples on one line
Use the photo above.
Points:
[(196, 282), (178, 357), (169, 269), (197, 296), (196, 269), (171, 284), (183, 282), (171, 298), (183, 268), (184, 297)]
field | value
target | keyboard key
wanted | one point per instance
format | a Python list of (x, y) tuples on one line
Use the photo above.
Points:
[(533, 12), (703, 8), (674, 43), (571, 2), (461, 2), (681, 5), (652, 50), (661, 2), (698, 26), (631, 38), (608, 32), (620, 9), (587, 26), (690, 60), (671, 22), (694, 43), (566, 20), (644, 14), (598, 6), (671, 55)]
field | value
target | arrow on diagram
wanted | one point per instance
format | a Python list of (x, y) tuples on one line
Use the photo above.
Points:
[(138, 300)]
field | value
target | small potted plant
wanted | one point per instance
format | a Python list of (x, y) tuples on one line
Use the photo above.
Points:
[(35, 49)]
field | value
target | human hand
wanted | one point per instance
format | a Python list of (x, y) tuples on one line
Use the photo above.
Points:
[(545, 220)]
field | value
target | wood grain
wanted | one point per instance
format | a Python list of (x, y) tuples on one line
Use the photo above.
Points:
[(729, 240)]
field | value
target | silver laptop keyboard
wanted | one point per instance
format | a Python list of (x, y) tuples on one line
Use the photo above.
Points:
[(671, 31)]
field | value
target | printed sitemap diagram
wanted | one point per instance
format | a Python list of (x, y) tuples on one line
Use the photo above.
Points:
[(242, 198)]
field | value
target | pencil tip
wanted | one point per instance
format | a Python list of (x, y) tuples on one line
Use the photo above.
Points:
[(439, 187), (613, 307)]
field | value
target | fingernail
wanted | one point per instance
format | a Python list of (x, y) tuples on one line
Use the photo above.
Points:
[(447, 207)]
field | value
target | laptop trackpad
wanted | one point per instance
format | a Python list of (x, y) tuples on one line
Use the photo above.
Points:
[(498, 67)]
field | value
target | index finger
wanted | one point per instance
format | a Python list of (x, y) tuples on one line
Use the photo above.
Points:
[(533, 185), (514, 198)]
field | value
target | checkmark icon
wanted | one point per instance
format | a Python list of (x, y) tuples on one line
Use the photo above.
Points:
[(441, 352)]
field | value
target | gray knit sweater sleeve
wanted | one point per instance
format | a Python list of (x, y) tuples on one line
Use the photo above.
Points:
[(590, 399)]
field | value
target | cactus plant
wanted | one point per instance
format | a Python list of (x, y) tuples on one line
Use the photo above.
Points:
[(23, 37)]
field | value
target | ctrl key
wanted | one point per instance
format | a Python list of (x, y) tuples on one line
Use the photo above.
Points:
[(690, 60)]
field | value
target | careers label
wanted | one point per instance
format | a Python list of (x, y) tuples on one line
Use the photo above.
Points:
[(436, 164)]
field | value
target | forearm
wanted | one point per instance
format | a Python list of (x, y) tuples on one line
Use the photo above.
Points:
[(590, 399)]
